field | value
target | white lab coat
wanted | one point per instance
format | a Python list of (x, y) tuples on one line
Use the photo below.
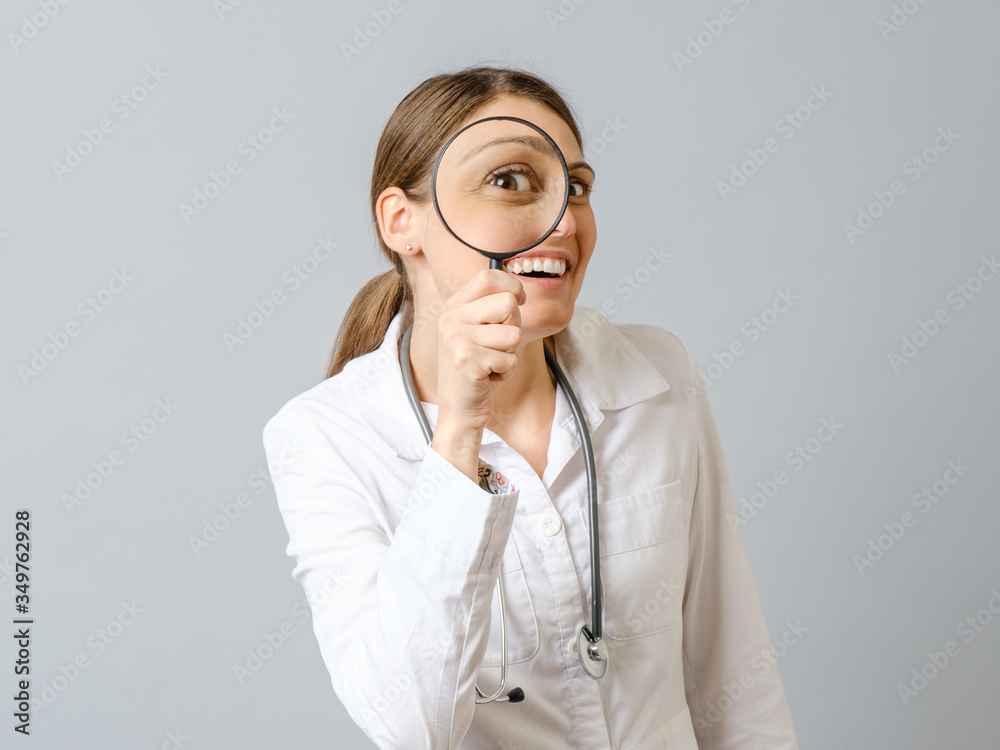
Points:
[(399, 554)]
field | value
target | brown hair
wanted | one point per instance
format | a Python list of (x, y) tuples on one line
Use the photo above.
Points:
[(421, 123)]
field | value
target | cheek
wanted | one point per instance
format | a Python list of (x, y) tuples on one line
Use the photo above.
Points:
[(586, 234), (586, 225), (452, 268)]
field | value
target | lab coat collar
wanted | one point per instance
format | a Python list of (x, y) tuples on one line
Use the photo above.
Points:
[(606, 369)]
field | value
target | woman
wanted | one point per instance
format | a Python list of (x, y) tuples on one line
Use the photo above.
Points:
[(399, 544)]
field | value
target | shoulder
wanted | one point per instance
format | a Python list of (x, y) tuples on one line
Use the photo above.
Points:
[(664, 349), (618, 347), (307, 416), (325, 415), (356, 413), (326, 396)]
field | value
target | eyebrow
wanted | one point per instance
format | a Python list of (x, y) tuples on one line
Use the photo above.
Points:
[(535, 144)]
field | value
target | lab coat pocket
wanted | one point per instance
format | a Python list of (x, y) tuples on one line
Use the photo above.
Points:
[(643, 561), (522, 628)]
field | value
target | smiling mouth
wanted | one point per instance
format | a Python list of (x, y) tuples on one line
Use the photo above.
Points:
[(537, 268)]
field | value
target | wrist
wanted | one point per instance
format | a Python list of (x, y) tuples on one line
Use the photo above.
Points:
[(459, 445)]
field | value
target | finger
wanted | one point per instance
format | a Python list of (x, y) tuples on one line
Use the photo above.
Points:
[(500, 364), (476, 350), (470, 362), (499, 307), (490, 281), (499, 337)]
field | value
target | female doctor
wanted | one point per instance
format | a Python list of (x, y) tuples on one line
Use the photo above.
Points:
[(399, 544)]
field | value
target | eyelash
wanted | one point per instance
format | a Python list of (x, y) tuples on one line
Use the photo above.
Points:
[(521, 169), (587, 188), (510, 169)]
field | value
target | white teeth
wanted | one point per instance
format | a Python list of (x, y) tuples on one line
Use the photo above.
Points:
[(542, 265)]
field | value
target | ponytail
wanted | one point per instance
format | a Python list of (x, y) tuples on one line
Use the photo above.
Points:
[(368, 318)]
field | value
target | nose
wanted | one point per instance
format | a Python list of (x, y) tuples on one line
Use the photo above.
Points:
[(566, 226)]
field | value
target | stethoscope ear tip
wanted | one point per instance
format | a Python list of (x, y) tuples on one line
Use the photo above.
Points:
[(516, 695)]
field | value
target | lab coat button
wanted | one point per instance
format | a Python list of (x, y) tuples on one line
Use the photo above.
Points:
[(550, 524)]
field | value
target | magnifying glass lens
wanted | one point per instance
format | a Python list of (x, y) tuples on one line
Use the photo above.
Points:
[(500, 187)]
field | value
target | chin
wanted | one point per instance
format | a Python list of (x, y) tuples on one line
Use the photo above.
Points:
[(542, 323)]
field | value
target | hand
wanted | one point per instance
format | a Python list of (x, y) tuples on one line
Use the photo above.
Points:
[(479, 333)]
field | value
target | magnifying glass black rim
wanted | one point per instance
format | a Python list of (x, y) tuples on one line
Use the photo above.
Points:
[(559, 216)]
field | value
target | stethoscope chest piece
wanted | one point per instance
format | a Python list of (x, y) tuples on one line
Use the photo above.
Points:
[(593, 653)]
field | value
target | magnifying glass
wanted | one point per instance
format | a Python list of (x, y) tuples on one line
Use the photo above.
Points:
[(500, 186)]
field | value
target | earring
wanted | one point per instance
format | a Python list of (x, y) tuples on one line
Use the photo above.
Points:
[(409, 248)]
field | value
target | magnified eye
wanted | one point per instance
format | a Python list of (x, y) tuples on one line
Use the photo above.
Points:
[(511, 181), (510, 178)]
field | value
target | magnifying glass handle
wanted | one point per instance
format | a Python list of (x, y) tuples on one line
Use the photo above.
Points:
[(498, 264)]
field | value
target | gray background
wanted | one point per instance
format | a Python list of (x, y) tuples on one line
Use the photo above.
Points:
[(678, 132)]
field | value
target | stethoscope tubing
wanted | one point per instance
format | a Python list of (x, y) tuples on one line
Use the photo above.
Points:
[(418, 409), (596, 613), (594, 633)]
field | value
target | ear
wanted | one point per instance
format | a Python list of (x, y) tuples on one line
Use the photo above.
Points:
[(397, 221)]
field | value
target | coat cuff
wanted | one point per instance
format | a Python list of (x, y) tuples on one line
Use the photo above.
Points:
[(458, 519)]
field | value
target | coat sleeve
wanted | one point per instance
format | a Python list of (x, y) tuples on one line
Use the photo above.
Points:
[(402, 619), (733, 688)]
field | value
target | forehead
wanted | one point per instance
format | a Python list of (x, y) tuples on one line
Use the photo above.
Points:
[(539, 114)]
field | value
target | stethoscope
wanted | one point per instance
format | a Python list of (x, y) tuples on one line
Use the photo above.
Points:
[(590, 642), (503, 129)]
